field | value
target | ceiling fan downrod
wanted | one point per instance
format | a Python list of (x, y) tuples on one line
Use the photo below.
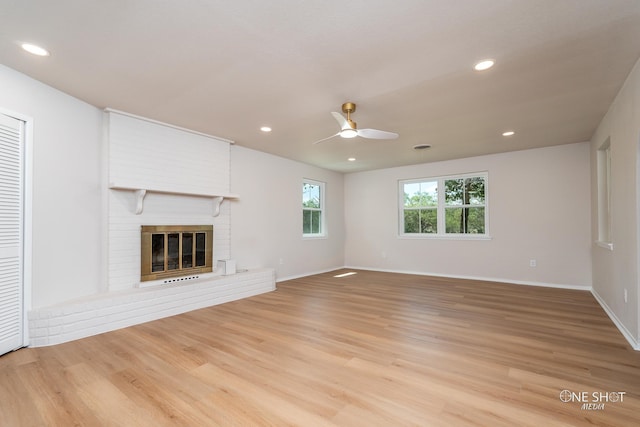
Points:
[(348, 108)]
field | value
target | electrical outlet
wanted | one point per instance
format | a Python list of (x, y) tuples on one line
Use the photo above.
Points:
[(626, 297), (281, 261), (533, 263), (384, 254)]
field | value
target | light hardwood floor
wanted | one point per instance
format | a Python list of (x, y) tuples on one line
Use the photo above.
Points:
[(371, 349)]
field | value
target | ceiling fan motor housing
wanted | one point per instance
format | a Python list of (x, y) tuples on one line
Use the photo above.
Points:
[(348, 107)]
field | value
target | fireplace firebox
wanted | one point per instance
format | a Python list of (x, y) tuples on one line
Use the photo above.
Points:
[(175, 250)]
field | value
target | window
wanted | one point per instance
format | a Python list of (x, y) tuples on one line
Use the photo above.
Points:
[(444, 206), (312, 208), (604, 195), (464, 209), (421, 207)]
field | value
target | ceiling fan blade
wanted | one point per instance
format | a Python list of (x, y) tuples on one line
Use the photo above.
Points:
[(344, 124), (324, 139), (376, 134)]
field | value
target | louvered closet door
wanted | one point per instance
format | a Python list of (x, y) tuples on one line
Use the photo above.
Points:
[(11, 190)]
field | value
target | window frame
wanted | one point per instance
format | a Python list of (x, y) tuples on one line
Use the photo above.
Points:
[(323, 226), (603, 160), (442, 206)]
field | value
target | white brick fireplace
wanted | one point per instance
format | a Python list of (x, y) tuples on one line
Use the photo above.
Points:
[(162, 175), (157, 175)]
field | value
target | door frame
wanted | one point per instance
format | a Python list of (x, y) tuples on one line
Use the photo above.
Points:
[(27, 220)]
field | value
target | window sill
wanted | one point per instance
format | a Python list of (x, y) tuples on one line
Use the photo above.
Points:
[(313, 236), (446, 236), (605, 245)]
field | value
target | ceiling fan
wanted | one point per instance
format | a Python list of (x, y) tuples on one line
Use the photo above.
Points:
[(349, 129)]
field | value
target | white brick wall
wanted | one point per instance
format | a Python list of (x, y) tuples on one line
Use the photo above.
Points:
[(115, 310), (152, 156)]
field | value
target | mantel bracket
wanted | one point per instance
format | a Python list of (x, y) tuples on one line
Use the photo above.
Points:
[(140, 200), (217, 202)]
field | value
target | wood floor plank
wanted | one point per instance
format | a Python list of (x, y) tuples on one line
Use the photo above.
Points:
[(18, 407), (47, 380), (370, 349)]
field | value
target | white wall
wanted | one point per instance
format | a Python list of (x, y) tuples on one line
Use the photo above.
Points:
[(67, 188), (616, 270), (539, 204), (266, 220)]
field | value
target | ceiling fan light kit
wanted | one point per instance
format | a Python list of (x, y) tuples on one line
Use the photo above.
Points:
[(349, 128), (348, 133)]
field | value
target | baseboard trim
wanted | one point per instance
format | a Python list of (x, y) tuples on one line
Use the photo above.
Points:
[(625, 332), (485, 279), (298, 276)]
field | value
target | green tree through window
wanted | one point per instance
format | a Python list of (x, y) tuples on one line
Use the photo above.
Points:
[(464, 205), (421, 207)]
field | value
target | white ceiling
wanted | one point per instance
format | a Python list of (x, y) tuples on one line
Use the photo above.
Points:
[(228, 67)]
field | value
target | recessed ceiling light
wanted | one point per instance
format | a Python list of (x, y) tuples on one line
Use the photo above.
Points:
[(485, 64), (34, 49), (265, 129), (508, 133), (352, 159), (421, 146)]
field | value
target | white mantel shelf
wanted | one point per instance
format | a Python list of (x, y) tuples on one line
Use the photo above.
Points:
[(140, 193)]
